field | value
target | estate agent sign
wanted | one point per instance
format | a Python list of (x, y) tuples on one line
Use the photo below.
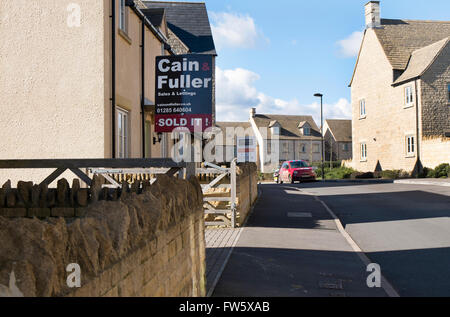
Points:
[(183, 92)]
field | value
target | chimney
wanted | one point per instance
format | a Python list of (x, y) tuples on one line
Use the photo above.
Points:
[(373, 19), (252, 112)]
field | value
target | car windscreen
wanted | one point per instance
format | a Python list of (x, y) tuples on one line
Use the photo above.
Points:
[(298, 164)]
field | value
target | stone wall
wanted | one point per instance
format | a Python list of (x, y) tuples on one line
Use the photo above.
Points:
[(246, 189), (147, 240)]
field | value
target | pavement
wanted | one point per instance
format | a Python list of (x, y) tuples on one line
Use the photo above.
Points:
[(293, 246), (219, 244)]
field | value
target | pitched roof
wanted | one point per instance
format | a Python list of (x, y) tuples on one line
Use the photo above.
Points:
[(341, 129), (229, 135), (421, 60), (289, 126), (190, 23), (400, 38)]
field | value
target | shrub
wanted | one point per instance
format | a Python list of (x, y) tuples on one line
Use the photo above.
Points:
[(442, 171), (339, 173), (390, 174)]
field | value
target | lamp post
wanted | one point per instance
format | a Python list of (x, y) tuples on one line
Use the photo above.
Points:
[(321, 131)]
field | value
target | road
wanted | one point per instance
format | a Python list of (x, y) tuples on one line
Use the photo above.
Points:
[(404, 228), (291, 246)]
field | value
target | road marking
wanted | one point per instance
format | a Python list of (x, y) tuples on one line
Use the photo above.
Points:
[(299, 215), (388, 288)]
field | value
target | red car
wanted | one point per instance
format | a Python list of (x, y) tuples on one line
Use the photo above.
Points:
[(296, 171)]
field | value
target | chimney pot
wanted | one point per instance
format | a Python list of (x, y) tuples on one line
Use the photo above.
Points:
[(373, 17), (252, 112)]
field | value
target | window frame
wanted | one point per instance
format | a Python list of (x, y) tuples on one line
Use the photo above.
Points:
[(122, 133), (362, 105), (314, 147), (410, 147), (448, 92), (408, 97), (303, 148), (123, 16), (363, 151), (307, 131)]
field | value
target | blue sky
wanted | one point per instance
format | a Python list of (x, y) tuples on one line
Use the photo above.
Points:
[(274, 55)]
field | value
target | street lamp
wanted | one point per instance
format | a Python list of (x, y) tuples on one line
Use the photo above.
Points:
[(321, 131)]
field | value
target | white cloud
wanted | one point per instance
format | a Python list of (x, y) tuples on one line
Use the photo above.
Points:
[(349, 47), (236, 95), (235, 31)]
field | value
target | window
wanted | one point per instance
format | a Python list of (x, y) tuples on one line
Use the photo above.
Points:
[(363, 152), (122, 133), (285, 147), (345, 147), (303, 148), (123, 17), (316, 148), (409, 97), (448, 92), (362, 108), (307, 131), (410, 145), (275, 130)]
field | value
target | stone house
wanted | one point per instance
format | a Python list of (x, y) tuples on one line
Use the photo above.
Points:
[(80, 82), (226, 136), (401, 94), (284, 137), (338, 139)]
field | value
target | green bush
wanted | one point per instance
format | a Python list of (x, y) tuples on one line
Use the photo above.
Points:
[(442, 171), (335, 173), (390, 174)]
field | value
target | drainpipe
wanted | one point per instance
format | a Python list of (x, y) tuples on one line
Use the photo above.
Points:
[(418, 163), (143, 86), (113, 76)]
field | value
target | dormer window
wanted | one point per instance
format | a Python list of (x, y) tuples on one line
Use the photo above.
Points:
[(307, 131), (305, 128), (275, 127)]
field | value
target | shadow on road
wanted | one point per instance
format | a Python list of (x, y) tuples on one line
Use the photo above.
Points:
[(259, 272), (269, 272)]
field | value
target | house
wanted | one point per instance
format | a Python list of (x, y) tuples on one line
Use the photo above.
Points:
[(338, 139), (401, 94), (284, 137), (226, 136), (80, 81)]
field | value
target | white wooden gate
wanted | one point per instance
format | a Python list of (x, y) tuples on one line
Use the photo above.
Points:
[(221, 173)]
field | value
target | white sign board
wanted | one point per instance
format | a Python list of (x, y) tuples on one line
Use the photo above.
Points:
[(246, 149)]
